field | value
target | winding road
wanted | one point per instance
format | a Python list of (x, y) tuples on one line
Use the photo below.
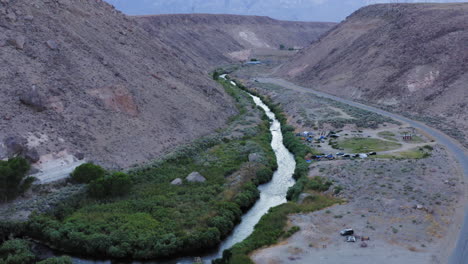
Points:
[(460, 253)]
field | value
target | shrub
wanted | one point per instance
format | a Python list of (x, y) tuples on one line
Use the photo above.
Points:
[(247, 197), (319, 184), (264, 175), (428, 147), (87, 172), (13, 179), (216, 75), (16, 251), (117, 184)]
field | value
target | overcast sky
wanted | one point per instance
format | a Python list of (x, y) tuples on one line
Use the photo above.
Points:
[(302, 10)]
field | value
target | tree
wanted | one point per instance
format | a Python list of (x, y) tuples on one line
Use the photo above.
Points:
[(87, 172), (117, 184), (282, 47), (13, 178), (216, 75)]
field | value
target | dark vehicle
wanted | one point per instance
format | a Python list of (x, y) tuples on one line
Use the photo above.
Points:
[(347, 232)]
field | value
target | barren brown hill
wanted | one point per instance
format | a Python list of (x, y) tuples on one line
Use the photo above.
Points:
[(81, 80), (219, 39), (409, 58)]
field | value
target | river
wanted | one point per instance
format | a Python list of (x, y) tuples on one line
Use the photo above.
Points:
[(272, 194)]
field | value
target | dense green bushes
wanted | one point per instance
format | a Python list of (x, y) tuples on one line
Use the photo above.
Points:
[(247, 197), (116, 184), (9, 229), (18, 251), (87, 172), (13, 179), (102, 184)]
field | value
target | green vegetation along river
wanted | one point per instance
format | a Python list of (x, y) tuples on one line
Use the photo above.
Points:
[(272, 194)]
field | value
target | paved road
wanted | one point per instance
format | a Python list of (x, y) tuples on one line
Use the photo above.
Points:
[(460, 254)]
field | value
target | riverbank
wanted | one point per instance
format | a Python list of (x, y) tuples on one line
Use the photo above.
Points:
[(272, 226)]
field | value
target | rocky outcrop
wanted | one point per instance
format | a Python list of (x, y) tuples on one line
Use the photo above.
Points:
[(14, 145)]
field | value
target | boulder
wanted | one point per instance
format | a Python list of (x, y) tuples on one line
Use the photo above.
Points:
[(52, 44), (255, 157), (14, 145), (11, 16), (80, 156), (32, 155), (33, 99), (195, 177), (177, 181), (17, 42)]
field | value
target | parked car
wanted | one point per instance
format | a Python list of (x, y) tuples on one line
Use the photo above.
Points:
[(340, 154), (351, 239), (347, 232), (372, 153)]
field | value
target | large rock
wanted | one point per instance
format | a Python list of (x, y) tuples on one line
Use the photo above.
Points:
[(14, 145), (255, 157), (33, 99), (177, 181), (52, 44), (195, 177), (17, 42), (32, 155)]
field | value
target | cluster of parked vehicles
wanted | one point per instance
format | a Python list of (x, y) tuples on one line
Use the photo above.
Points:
[(343, 156)]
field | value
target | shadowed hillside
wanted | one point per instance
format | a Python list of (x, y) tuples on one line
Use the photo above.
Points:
[(81, 80), (218, 39)]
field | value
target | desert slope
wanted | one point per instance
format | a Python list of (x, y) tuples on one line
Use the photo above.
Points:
[(410, 58), (217, 39), (81, 80)]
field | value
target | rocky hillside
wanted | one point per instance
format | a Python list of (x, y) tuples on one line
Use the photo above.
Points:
[(81, 81), (217, 39), (409, 58)]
